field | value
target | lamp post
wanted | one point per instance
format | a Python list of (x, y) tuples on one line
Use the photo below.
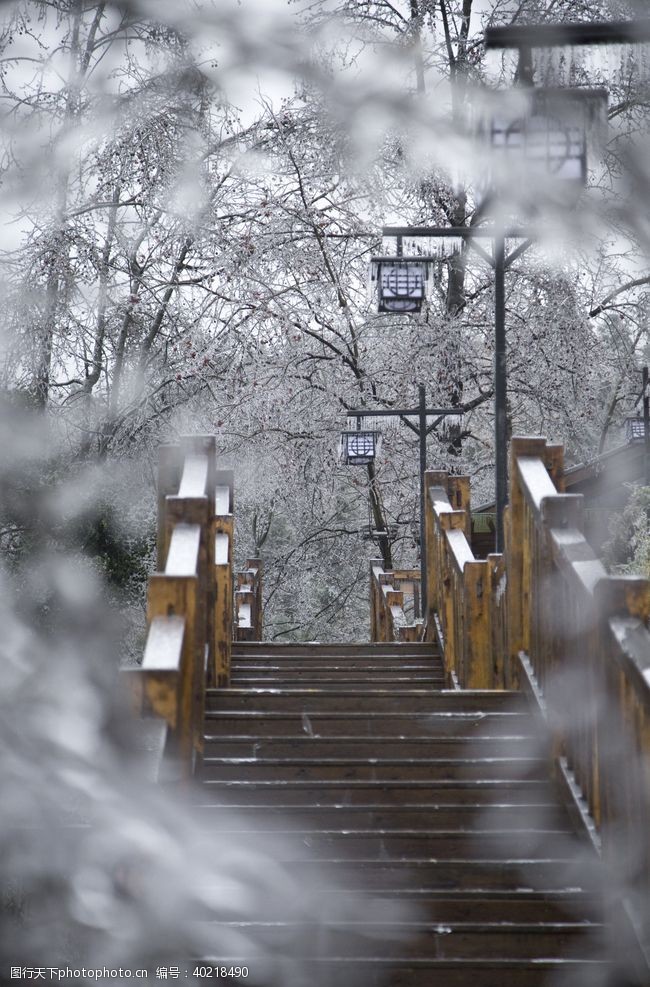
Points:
[(422, 412), (500, 261)]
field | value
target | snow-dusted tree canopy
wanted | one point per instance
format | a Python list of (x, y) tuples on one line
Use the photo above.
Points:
[(191, 192), (191, 196)]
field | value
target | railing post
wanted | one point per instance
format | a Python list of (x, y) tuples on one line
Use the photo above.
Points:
[(458, 491), (475, 659), (432, 479), (223, 537), (497, 583), (176, 596), (451, 521), (375, 566), (170, 461), (257, 615), (518, 560)]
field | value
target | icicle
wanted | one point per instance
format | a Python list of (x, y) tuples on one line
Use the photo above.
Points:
[(371, 282)]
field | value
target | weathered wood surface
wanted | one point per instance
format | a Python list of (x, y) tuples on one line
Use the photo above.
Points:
[(222, 537), (189, 604), (547, 608)]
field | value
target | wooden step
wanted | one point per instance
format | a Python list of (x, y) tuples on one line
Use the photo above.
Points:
[(500, 817), (427, 874), (509, 874), (364, 747), (458, 940), (263, 648), (398, 769), (349, 700), (478, 905), (338, 682), (406, 844), (443, 905), (308, 793), (440, 723), (421, 822), (340, 666)]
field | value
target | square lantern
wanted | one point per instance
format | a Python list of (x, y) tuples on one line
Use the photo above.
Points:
[(359, 446), (634, 430), (552, 130), (401, 285)]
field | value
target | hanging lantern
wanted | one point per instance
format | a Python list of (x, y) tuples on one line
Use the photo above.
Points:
[(401, 284), (553, 132), (359, 445), (634, 430)]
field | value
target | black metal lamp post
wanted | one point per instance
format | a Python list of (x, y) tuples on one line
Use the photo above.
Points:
[(422, 413), (500, 262)]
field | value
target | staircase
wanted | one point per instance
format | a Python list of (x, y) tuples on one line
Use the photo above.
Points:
[(370, 777)]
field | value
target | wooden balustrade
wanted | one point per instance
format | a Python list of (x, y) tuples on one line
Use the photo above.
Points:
[(248, 602), (190, 596), (545, 616), (579, 638), (391, 617), (466, 604)]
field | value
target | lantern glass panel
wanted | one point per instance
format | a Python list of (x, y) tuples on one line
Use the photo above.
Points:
[(401, 287), (359, 446), (634, 430), (554, 134)]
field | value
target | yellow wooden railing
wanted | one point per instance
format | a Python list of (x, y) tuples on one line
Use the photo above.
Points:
[(394, 604), (546, 617), (190, 622)]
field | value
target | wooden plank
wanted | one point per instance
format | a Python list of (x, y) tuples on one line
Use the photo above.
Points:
[(459, 549), (431, 550), (554, 462), (497, 588), (223, 604), (477, 643), (518, 605), (458, 490), (535, 482), (170, 596)]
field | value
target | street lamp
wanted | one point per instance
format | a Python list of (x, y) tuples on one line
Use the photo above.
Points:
[(499, 260), (359, 444), (549, 129), (421, 430), (401, 284)]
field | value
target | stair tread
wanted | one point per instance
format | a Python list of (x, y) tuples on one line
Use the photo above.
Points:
[(450, 814)]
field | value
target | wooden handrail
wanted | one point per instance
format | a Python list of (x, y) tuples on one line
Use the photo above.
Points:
[(388, 618), (190, 596), (466, 606), (545, 616), (583, 641)]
